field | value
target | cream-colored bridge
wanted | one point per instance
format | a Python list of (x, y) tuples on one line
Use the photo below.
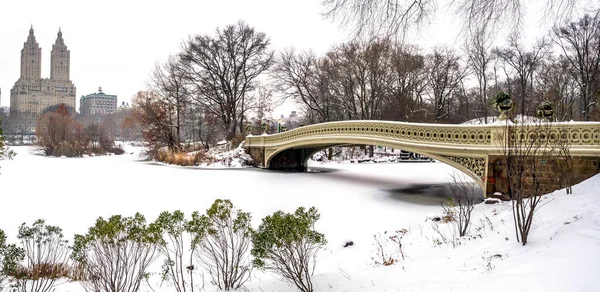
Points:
[(472, 149)]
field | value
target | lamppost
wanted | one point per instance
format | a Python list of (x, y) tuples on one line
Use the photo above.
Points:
[(279, 126)]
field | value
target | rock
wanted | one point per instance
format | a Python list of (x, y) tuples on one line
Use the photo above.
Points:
[(434, 218), (490, 201), (348, 243), (499, 195)]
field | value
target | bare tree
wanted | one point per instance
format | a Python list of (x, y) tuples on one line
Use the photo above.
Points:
[(580, 43), (478, 50), (557, 85), (444, 78), (263, 105), (524, 64), (19, 125), (362, 77), (209, 129), (405, 100), (151, 112), (382, 18), (223, 68), (398, 18), (59, 134), (169, 82), (307, 80)]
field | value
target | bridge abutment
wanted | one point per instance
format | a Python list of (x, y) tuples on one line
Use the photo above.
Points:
[(551, 174)]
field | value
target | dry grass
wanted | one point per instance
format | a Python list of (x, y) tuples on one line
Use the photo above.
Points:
[(45, 270), (181, 158)]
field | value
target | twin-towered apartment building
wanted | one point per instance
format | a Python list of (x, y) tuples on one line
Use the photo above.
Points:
[(32, 94)]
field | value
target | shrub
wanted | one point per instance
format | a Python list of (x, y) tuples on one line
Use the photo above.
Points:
[(5, 153), (460, 206), (223, 238), (192, 147), (388, 248), (46, 256), (115, 253), (287, 244), (59, 134), (237, 139), (10, 256), (118, 150), (181, 158), (178, 267)]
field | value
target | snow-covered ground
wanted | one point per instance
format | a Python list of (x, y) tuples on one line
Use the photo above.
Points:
[(356, 201)]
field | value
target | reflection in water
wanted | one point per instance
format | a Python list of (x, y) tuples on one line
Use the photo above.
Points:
[(432, 194)]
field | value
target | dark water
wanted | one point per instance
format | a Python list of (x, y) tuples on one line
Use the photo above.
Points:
[(436, 194), (402, 188)]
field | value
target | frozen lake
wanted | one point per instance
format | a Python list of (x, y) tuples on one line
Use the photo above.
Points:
[(356, 201), (73, 192)]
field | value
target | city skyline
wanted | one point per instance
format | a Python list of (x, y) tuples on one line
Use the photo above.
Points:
[(116, 49)]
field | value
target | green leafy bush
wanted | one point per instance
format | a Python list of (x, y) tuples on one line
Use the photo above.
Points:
[(287, 245), (10, 256), (114, 248), (178, 267), (223, 238), (46, 255)]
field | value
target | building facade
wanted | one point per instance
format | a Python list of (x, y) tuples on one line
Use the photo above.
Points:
[(32, 94), (98, 104)]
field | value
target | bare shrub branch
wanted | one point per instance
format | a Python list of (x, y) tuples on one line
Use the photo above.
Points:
[(222, 238), (115, 253), (46, 258)]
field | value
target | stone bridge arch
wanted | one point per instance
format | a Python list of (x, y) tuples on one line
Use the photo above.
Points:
[(295, 156)]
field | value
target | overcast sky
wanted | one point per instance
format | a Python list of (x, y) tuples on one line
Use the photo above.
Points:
[(115, 44)]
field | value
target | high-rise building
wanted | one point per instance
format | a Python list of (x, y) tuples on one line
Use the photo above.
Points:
[(97, 104), (32, 94)]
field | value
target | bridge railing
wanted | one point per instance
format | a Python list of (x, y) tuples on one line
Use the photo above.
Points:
[(453, 134), (492, 136)]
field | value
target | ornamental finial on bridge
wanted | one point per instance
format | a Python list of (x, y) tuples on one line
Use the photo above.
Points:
[(503, 103)]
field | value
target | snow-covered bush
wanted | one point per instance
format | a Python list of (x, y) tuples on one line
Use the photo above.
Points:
[(287, 244), (113, 248), (222, 238)]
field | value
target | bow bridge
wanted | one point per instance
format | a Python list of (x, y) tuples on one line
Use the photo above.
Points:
[(476, 150)]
